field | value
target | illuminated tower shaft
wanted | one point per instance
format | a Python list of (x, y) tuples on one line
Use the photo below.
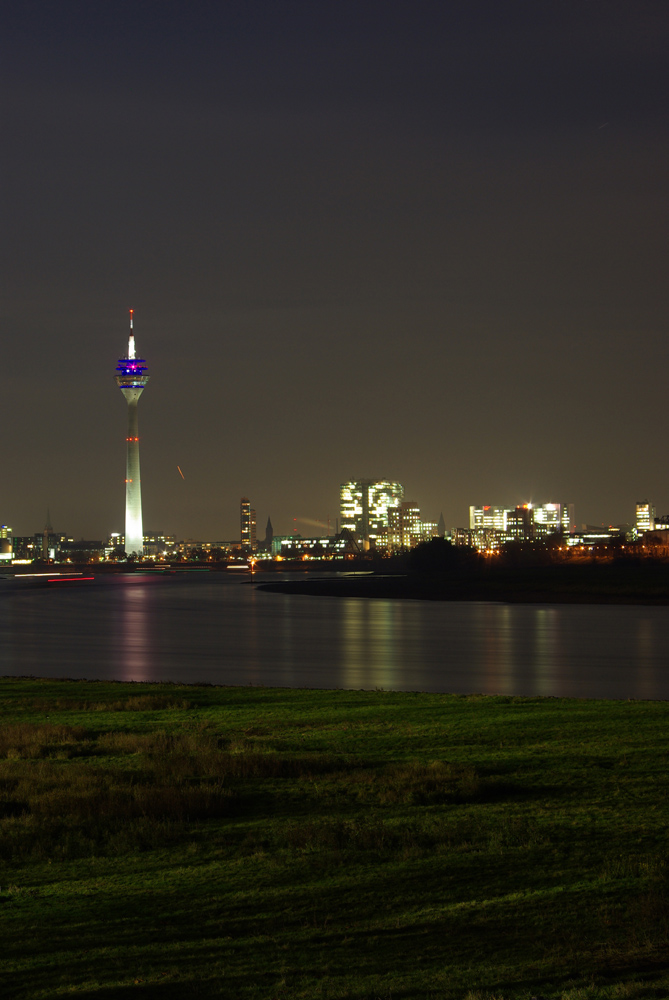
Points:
[(131, 380), (134, 530)]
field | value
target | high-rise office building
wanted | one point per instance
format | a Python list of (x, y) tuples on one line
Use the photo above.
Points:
[(405, 529), (6, 547), (547, 519), (519, 524), (364, 507), (488, 518), (131, 378), (247, 519), (645, 517), (567, 518)]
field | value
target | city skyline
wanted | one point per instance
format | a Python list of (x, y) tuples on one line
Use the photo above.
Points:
[(370, 508), (415, 242), (355, 496), (374, 518)]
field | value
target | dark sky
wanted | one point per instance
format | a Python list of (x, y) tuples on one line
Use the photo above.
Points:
[(423, 241)]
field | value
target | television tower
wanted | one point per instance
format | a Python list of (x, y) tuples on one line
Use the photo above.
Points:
[(131, 379)]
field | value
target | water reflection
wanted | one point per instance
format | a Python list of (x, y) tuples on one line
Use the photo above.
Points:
[(369, 642), (544, 651), (134, 636), (253, 627), (223, 631), (499, 629), (646, 656)]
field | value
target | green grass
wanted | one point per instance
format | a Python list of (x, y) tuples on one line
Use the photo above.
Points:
[(179, 841)]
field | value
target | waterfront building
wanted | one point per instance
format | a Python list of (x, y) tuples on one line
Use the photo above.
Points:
[(197, 550), (24, 549), (567, 518), (81, 551), (488, 518), (247, 519), (157, 543), (521, 523), (114, 546), (44, 545), (324, 547), (546, 519), (593, 537), (364, 505), (482, 539), (404, 526), (278, 540), (429, 530), (6, 546), (645, 517), (131, 378)]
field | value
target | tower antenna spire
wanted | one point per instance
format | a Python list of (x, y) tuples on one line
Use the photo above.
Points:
[(131, 338)]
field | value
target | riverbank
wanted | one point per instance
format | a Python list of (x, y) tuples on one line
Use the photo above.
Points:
[(249, 842), (579, 583)]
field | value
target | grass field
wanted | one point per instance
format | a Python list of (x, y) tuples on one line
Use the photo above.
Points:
[(169, 842)]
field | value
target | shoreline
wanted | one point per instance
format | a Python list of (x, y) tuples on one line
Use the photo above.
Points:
[(631, 585)]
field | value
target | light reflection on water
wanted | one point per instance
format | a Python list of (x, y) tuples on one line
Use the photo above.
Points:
[(369, 651), (219, 630), (134, 635)]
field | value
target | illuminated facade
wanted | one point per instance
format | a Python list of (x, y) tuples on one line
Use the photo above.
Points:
[(131, 378), (488, 518), (405, 529), (327, 547), (567, 518), (364, 505), (247, 520), (547, 519), (157, 543), (6, 547), (645, 517), (522, 523)]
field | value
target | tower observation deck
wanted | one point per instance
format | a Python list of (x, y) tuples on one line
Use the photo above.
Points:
[(131, 378)]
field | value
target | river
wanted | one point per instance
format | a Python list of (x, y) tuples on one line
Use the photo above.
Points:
[(218, 629)]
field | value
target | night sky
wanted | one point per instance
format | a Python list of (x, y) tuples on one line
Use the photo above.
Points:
[(423, 241)]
